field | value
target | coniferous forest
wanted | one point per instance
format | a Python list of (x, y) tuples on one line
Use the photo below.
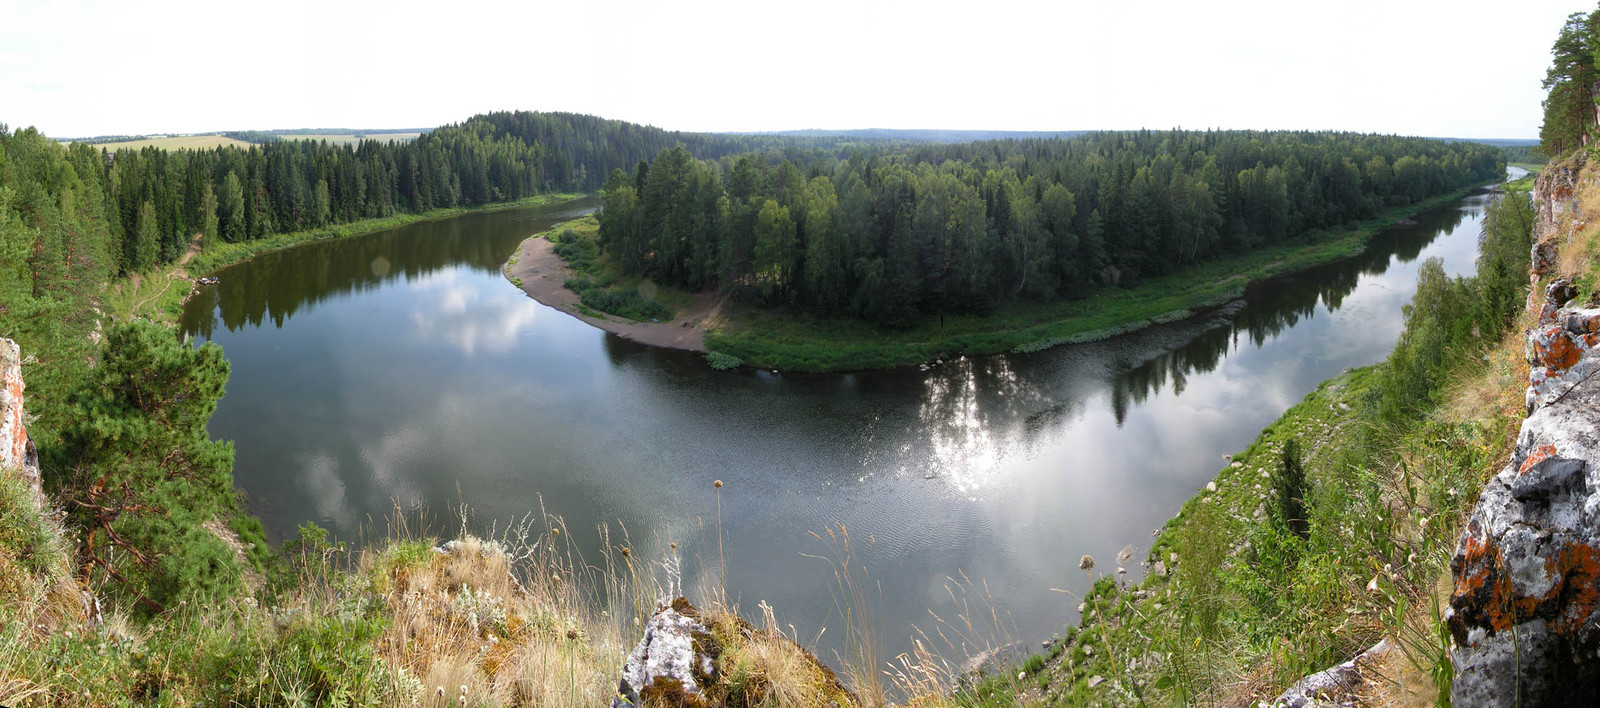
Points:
[(892, 234)]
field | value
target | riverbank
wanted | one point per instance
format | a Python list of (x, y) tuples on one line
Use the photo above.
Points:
[(1329, 537), (779, 340), (158, 295), (542, 275)]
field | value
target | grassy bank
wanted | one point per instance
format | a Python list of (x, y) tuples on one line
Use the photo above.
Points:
[(1332, 530), (775, 339)]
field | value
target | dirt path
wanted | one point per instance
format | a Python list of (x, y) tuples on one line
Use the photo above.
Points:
[(542, 274), (174, 274)]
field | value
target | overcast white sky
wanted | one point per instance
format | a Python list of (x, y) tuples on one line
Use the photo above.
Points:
[(77, 68)]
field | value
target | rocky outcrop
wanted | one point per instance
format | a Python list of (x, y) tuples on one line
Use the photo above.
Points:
[(1556, 205), (1525, 611), (16, 450), (668, 667)]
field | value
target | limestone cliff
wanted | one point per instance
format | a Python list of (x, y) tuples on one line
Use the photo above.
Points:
[(1525, 611), (16, 450)]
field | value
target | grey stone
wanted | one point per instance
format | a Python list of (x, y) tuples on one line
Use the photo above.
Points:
[(1525, 611), (1546, 477), (667, 652)]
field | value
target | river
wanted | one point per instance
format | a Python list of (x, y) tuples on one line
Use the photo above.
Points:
[(401, 371)]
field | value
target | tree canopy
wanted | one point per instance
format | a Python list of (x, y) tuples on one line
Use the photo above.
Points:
[(893, 233)]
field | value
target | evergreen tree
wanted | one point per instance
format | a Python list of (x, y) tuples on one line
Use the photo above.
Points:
[(147, 240)]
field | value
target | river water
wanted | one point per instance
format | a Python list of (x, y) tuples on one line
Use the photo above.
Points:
[(401, 370)]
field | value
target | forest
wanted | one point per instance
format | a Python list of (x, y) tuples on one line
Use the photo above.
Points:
[(898, 233), (154, 201)]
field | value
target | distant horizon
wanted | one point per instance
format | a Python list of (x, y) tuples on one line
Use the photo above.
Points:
[(318, 130)]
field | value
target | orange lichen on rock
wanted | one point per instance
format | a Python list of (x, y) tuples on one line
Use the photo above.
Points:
[(1539, 454), (1577, 595), (1554, 349), (1483, 595)]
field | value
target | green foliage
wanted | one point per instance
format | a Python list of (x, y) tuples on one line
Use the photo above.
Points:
[(723, 362), (26, 543), (896, 235), (1569, 105), (622, 303), (579, 253), (318, 660), (1324, 533), (1289, 489), (139, 475), (1437, 331)]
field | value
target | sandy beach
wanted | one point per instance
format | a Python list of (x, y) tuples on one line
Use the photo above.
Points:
[(542, 274)]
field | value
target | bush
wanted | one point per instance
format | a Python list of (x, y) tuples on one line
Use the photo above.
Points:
[(723, 362), (622, 303)]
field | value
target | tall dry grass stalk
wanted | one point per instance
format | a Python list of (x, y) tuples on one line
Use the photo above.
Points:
[(941, 660), (858, 599)]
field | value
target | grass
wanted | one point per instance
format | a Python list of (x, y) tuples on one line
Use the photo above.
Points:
[(1238, 595), (182, 142), (781, 340), (1240, 600)]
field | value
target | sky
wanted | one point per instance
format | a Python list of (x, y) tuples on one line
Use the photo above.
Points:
[(1471, 69)]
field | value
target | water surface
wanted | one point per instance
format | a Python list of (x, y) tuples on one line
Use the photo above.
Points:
[(402, 370)]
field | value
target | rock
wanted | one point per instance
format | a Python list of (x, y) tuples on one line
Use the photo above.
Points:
[(1337, 686), (671, 661), (990, 661), (1558, 346), (17, 452), (1525, 611)]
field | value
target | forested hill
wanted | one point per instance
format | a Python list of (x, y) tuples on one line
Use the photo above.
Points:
[(932, 228), (151, 202)]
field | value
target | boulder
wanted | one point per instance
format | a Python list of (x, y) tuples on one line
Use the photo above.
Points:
[(676, 657)]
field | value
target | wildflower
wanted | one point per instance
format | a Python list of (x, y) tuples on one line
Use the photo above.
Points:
[(717, 484), (625, 552), (1086, 563), (674, 545)]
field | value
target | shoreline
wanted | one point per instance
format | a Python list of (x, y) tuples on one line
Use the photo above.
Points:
[(542, 275), (780, 341)]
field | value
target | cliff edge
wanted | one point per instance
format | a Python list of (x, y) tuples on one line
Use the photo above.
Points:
[(1525, 611)]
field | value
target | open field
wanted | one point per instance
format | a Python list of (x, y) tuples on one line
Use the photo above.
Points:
[(182, 142)]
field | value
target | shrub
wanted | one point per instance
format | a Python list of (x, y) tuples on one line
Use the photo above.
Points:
[(723, 362), (622, 303)]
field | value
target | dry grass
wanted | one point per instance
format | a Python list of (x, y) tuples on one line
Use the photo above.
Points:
[(512, 620), (1581, 231), (765, 667), (182, 142)]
